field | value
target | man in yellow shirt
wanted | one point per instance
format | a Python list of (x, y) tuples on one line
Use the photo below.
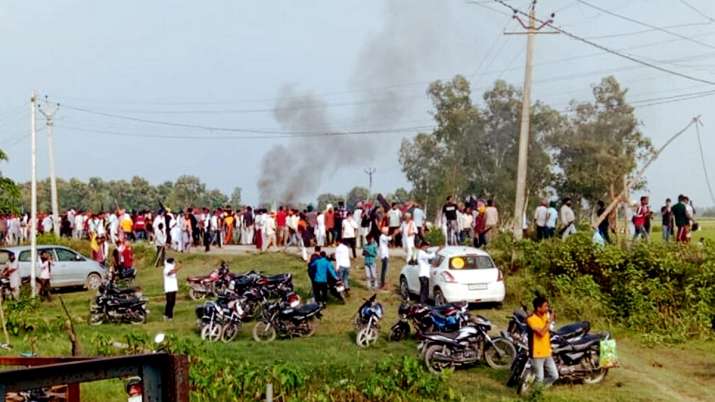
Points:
[(540, 342)]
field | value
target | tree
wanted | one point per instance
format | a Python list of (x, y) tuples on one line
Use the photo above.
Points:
[(235, 200), (599, 145), (10, 195), (473, 150), (355, 195), (328, 198)]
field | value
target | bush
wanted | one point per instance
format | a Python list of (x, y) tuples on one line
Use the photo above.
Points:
[(663, 289)]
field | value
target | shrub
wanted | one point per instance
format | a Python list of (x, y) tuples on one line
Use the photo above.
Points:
[(657, 288)]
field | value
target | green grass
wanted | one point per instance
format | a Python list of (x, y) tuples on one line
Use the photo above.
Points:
[(661, 373)]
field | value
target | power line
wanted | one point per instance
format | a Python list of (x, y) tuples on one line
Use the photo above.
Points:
[(623, 34), (614, 52), (248, 137), (645, 24), (702, 159), (696, 10)]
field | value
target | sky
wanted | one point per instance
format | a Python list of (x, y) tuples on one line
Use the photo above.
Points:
[(162, 89)]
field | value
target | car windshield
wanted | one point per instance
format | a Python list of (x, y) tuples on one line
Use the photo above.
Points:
[(471, 262)]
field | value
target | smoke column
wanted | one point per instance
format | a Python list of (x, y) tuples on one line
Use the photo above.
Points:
[(411, 41)]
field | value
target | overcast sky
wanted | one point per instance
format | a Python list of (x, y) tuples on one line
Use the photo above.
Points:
[(226, 64)]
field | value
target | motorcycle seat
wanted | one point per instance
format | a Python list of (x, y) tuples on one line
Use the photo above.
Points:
[(307, 309), (278, 278), (573, 329), (446, 310), (450, 335), (124, 302)]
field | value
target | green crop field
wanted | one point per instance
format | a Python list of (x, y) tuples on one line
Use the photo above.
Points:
[(683, 372)]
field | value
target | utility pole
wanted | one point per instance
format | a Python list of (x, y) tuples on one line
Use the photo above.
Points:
[(48, 110), (520, 199), (370, 172), (33, 194)]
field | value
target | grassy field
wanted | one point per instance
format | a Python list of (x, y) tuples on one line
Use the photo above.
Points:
[(648, 373)]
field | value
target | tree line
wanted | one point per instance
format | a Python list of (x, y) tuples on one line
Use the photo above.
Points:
[(583, 152)]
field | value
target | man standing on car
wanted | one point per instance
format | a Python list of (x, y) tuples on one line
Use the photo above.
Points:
[(540, 342), (449, 215)]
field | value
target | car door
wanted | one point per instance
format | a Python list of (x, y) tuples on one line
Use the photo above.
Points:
[(68, 269), (412, 274), (435, 269)]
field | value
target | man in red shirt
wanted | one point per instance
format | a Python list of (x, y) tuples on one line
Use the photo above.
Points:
[(282, 228), (641, 220), (140, 227)]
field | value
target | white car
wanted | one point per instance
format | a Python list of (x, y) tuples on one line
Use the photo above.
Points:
[(458, 274)]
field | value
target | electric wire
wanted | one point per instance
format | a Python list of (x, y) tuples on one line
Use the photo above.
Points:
[(609, 50), (645, 24), (702, 159)]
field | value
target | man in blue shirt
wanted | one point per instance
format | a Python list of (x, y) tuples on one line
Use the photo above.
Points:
[(323, 270)]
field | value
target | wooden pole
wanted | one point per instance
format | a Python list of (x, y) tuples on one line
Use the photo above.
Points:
[(2, 318), (640, 173)]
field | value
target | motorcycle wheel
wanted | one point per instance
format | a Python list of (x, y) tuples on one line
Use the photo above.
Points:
[(366, 336), (264, 332), (196, 295), (434, 366), (229, 332), (211, 333), (96, 319), (596, 376), (399, 332), (138, 319), (501, 355), (312, 326), (525, 383)]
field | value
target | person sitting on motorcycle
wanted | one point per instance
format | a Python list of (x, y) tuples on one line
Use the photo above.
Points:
[(540, 342), (324, 271)]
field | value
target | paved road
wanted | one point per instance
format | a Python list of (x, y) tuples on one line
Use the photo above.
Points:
[(249, 250)]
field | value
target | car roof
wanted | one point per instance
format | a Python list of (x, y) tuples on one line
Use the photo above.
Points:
[(17, 249), (453, 251)]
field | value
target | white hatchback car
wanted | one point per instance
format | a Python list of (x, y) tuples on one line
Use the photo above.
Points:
[(458, 274)]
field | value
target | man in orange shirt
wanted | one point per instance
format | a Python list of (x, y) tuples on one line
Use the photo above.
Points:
[(540, 342)]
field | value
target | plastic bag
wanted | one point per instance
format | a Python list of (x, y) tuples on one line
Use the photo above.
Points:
[(608, 354)]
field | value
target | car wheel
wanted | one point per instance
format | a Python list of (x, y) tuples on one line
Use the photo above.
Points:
[(404, 289), (93, 281), (439, 299)]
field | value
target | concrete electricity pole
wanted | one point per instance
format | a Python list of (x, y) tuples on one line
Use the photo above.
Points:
[(33, 194), (520, 199), (48, 110), (370, 172)]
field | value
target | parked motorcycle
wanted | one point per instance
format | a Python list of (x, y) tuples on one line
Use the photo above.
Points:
[(424, 318), (286, 318), (212, 284), (576, 360), (466, 346), (367, 322), (118, 310), (117, 304)]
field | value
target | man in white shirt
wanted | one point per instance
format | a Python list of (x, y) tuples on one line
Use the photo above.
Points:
[(409, 234), (160, 243), (541, 218), (47, 224), (424, 264), (342, 263), (394, 217), (357, 217), (268, 227), (384, 253), (349, 231), (419, 217), (551, 222), (171, 286), (12, 272), (568, 219), (78, 231), (492, 220)]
